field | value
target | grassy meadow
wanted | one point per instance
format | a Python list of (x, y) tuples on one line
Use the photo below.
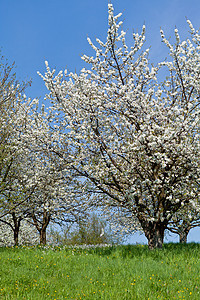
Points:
[(118, 272)]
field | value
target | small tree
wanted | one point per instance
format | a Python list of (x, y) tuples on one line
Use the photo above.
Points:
[(54, 200), (183, 221), (90, 231), (27, 234)]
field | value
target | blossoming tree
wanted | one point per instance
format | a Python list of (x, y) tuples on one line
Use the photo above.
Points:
[(56, 198), (14, 109), (12, 115), (183, 221), (133, 137)]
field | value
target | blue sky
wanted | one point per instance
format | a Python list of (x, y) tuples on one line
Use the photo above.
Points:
[(32, 31)]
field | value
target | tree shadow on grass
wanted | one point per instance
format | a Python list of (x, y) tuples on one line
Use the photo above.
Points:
[(142, 251)]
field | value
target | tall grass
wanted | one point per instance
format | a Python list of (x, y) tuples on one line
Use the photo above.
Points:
[(121, 272)]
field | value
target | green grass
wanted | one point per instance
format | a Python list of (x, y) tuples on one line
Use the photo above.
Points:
[(122, 272)]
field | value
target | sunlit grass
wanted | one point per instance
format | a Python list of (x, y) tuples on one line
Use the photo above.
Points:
[(122, 272)]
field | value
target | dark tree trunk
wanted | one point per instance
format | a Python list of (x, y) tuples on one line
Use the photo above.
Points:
[(183, 231), (16, 236), (41, 225), (43, 236), (154, 232), (17, 222), (183, 236)]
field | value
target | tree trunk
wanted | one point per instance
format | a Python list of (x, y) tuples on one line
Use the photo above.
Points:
[(43, 236), (183, 236), (17, 222), (154, 232), (42, 226), (16, 236)]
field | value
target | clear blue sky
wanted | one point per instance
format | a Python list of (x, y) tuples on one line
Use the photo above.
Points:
[(32, 31)]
